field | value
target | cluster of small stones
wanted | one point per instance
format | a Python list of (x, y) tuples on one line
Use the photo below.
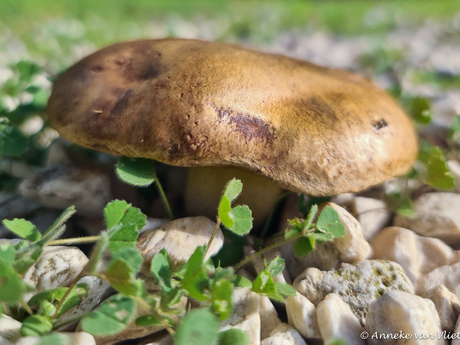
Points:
[(397, 281)]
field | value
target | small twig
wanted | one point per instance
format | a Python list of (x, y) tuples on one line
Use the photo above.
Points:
[(69, 290), (266, 249), (163, 196), (75, 240), (214, 232), (75, 319), (155, 313)]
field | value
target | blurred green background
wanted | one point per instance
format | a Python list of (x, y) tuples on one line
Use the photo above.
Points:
[(53, 30)]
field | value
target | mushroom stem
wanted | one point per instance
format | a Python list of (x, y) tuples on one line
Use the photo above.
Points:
[(204, 190)]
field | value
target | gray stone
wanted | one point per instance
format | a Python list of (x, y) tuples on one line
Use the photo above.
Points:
[(398, 311), (336, 320), (435, 215), (245, 315), (357, 284), (416, 254), (57, 266), (61, 186), (447, 304), (98, 290), (302, 316), (180, 238), (284, 335)]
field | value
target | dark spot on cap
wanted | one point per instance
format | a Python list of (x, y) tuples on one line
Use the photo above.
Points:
[(122, 103), (97, 68), (251, 127), (173, 150), (380, 124), (149, 73)]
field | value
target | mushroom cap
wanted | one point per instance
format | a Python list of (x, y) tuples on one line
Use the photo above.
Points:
[(311, 129)]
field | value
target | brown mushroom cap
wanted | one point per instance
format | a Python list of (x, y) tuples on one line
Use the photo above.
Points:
[(314, 130)]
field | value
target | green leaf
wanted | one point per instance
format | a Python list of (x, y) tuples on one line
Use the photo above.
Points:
[(276, 266), (11, 285), (438, 173), (57, 227), (111, 317), (122, 236), (74, 298), (329, 221), (221, 298), (420, 110), (170, 298), (310, 217), (405, 207), (285, 289), (196, 279), (241, 281), (12, 142), (26, 255), (299, 226), (225, 212), (122, 277), (148, 320), (7, 252), (264, 284), (229, 254), (41, 98), (137, 172), (27, 70), (233, 336), (132, 257), (161, 271), (119, 211), (48, 295), (304, 245), (199, 327), (233, 189), (242, 218), (46, 309), (55, 339), (320, 237), (23, 228), (35, 325), (239, 218)]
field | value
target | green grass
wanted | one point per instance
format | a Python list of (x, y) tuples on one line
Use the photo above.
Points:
[(338, 16)]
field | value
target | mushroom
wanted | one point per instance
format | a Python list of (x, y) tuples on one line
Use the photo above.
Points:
[(309, 129)]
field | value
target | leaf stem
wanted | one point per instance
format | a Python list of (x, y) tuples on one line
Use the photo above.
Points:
[(69, 290), (75, 240), (65, 323), (156, 314), (266, 249), (163, 196), (214, 232), (26, 307)]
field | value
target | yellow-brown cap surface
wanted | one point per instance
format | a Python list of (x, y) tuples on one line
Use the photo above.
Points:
[(311, 129)]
